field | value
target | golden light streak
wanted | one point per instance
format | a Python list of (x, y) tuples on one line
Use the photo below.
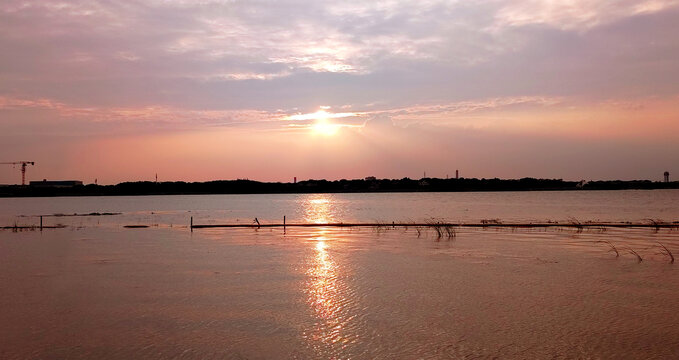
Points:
[(326, 289), (318, 209)]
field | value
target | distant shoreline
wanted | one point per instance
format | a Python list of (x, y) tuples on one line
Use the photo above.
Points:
[(324, 186)]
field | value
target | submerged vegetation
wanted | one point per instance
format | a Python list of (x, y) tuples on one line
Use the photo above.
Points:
[(16, 227), (442, 228), (438, 229), (666, 251), (612, 247)]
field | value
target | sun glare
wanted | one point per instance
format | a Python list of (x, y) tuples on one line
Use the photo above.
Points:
[(322, 121), (322, 125)]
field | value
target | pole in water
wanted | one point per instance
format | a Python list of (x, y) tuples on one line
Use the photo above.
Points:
[(191, 223), (40, 222), (283, 220)]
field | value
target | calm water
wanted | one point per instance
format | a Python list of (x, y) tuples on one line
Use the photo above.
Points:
[(98, 290), (507, 206)]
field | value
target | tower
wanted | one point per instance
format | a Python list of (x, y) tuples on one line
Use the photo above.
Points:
[(667, 176)]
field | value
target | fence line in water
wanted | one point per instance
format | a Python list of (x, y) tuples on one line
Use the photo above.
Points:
[(483, 224), (663, 225)]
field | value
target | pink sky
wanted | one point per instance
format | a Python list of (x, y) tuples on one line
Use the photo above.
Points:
[(194, 91)]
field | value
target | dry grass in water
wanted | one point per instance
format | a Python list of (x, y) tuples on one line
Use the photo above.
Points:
[(631, 251), (665, 251), (442, 229), (612, 247)]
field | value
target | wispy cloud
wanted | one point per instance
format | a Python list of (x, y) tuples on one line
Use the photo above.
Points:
[(578, 15), (143, 116), (538, 112), (320, 114), (473, 106)]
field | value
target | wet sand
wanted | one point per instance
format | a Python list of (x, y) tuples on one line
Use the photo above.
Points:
[(161, 292)]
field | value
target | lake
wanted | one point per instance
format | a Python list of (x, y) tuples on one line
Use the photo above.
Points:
[(95, 289), (628, 205)]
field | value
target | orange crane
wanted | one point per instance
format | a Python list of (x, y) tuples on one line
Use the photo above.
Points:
[(23, 168)]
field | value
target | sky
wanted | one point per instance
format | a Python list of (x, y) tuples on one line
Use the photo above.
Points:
[(271, 90)]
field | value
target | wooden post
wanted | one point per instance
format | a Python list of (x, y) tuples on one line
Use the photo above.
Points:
[(283, 220), (40, 222), (191, 223)]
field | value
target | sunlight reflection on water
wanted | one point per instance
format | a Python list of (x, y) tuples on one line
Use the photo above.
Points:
[(319, 208), (328, 294)]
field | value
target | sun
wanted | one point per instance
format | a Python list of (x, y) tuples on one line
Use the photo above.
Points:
[(322, 122), (322, 126)]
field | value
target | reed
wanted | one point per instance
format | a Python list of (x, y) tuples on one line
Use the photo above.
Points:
[(442, 228), (575, 223), (631, 251), (381, 227), (612, 247), (657, 223), (16, 227), (491, 221), (666, 251)]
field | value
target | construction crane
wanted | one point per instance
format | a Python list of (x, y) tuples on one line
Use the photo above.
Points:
[(23, 168)]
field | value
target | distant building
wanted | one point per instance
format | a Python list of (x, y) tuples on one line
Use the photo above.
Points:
[(55, 184), (370, 178), (667, 176)]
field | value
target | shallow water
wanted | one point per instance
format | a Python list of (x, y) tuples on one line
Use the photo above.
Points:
[(628, 205), (102, 291)]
